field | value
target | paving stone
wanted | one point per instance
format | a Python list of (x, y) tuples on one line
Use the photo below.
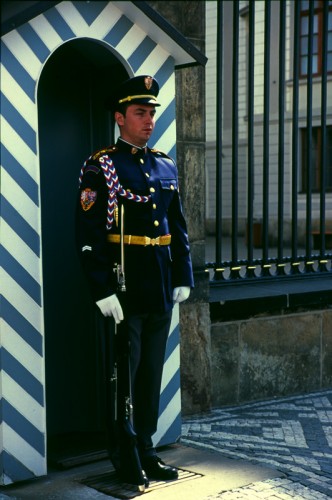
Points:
[(292, 435)]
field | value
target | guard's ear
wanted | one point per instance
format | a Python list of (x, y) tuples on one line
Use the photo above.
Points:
[(119, 118)]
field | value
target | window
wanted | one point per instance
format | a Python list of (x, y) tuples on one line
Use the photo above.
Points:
[(317, 38), (316, 159)]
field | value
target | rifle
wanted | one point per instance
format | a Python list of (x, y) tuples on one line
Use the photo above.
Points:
[(122, 389)]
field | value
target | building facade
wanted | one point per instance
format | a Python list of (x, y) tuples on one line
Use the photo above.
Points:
[(257, 75)]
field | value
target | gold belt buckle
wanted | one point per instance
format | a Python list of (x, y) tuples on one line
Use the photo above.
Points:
[(155, 241), (151, 241)]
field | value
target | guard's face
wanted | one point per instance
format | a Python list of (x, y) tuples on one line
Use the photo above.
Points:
[(137, 126)]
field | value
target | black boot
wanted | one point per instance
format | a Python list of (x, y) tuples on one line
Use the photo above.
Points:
[(155, 468)]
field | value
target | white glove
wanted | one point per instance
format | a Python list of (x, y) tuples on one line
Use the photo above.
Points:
[(181, 293), (110, 306)]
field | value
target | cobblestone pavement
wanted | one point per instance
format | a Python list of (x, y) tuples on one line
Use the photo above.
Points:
[(292, 435)]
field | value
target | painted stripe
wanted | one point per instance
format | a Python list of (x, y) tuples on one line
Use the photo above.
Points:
[(17, 446), (170, 367), (105, 22), (23, 302), (19, 200), (165, 143), (172, 342), (102, 24), (169, 390), (19, 175), (165, 119), (169, 422), (20, 275), (23, 53), (142, 53), (170, 415), (130, 41), (172, 432), (73, 18), (167, 94), (166, 131), (13, 117), (172, 152), (156, 60), (90, 11), (59, 24), (20, 251), (15, 470), (22, 326), (166, 74), (17, 71), (14, 93), (23, 402), (19, 225), (18, 148), (34, 41), (46, 32), (119, 30), (24, 428), (22, 351)]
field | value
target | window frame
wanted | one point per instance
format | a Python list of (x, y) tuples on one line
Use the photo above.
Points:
[(316, 169), (318, 10)]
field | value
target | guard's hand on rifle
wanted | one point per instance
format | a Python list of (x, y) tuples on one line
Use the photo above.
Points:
[(110, 306), (181, 293)]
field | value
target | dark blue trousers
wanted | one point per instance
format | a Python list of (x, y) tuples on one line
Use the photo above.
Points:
[(145, 335)]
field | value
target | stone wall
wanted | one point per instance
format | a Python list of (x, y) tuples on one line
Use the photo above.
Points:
[(265, 357)]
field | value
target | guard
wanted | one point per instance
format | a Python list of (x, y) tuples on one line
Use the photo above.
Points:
[(153, 250)]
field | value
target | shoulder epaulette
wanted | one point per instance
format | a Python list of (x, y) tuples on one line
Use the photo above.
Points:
[(101, 152), (160, 153)]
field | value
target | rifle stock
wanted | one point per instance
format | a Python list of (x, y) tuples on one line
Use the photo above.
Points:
[(130, 464), (129, 457)]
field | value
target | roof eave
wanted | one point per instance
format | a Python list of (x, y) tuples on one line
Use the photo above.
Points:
[(24, 15)]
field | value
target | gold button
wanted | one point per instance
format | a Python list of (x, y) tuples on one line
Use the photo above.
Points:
[(156, 223), (152, 190), (147, 174), (141, 160), (172, 187), (154, 206)]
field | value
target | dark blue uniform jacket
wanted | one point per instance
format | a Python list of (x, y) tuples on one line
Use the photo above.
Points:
[(151, 272)]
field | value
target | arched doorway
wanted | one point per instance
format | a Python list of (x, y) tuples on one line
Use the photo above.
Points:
[(73, 122)]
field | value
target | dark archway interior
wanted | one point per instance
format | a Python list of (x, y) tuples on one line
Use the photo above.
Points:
[(75, 83)]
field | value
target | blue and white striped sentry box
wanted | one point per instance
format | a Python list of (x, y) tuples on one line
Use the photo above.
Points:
[(142, 47)]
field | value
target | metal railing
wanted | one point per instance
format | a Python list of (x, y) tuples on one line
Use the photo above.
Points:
[(291, 259)]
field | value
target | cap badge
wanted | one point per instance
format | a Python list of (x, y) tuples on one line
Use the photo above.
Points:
[(148, 80)]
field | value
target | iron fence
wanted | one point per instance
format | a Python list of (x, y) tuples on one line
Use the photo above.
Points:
[(297, 60)]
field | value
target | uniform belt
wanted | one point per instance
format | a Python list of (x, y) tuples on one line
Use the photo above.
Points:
[(130, 239)]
